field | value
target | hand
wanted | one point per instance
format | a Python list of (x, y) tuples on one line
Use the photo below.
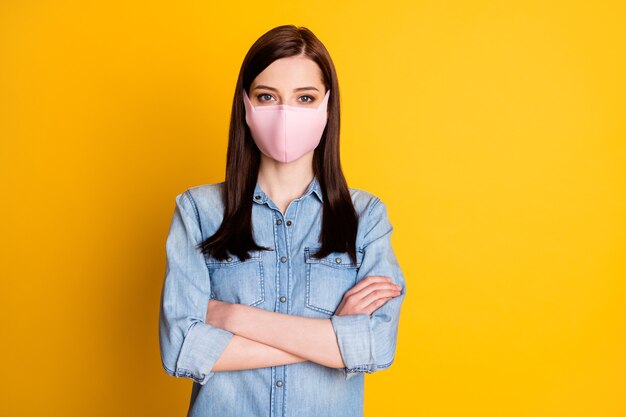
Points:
[(367, 296), (217, 313)]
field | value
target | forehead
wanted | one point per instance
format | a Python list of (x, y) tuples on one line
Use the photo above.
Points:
[(290, 72)]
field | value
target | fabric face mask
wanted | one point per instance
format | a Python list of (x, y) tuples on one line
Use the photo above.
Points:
[(283, 132)]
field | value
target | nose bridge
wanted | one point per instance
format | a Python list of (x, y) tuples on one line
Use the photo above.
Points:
[(285, 128)]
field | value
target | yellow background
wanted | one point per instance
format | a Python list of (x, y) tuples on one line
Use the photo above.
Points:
[(494, 131)]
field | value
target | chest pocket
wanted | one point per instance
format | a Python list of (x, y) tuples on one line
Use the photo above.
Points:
[(328, 278), (236, 281)]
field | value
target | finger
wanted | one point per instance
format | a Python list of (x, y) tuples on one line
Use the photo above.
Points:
[(376, 294), (367, 281), (365, 291), (370, 308)]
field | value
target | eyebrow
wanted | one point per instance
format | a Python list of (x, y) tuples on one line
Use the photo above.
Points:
[(295, 89)]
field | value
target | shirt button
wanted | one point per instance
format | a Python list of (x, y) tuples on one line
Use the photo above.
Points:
[(229, 259), (279, 383), (288, 222), (283, 299), (338, 260), (258, 197), (279, 221), (283, 259)]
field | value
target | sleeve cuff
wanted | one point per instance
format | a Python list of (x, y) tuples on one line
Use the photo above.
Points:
[(201, 348), (354, 339)]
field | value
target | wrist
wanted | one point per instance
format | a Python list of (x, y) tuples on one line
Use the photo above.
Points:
[(231, 319)]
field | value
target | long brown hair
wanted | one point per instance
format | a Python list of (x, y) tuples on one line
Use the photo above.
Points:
[(339, 218)]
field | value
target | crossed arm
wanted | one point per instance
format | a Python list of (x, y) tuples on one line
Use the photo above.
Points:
[(265, 338), (242, 353)]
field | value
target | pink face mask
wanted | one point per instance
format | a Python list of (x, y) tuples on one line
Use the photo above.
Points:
[(283, 132)]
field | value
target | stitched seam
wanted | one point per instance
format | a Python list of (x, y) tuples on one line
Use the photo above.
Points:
[(366, 367), (374, 204), (195, 209)]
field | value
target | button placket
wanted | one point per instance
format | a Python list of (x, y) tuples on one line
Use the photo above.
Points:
[(281, 246)]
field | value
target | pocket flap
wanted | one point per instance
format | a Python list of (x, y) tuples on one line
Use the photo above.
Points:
[(334, 259), (232, 259)]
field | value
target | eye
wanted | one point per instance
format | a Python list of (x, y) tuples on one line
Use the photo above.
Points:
[(311, 99), (259, 96)]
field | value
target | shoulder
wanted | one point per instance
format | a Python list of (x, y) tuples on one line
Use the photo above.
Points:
[(202, 194), (364, 201), (373, 217), (207, 193), (205, 202)]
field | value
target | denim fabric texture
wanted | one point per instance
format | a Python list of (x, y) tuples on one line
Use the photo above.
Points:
[(286, 280)]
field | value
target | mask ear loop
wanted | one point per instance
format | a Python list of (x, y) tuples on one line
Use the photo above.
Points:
[(325, 101), (246, 99)]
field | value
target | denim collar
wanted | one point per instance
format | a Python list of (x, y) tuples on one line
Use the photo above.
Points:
[(314, 187)]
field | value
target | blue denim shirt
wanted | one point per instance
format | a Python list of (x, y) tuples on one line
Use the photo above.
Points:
[(298, 285)]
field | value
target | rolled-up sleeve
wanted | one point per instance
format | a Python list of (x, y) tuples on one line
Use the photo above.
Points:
[(189, 347), (368, 342)]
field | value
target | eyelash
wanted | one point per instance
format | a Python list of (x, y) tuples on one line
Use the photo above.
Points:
[(312, 99)]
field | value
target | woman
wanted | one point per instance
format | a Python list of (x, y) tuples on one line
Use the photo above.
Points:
[(281, 288)]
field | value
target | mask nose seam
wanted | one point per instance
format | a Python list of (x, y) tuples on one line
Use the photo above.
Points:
[(285, 133)]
